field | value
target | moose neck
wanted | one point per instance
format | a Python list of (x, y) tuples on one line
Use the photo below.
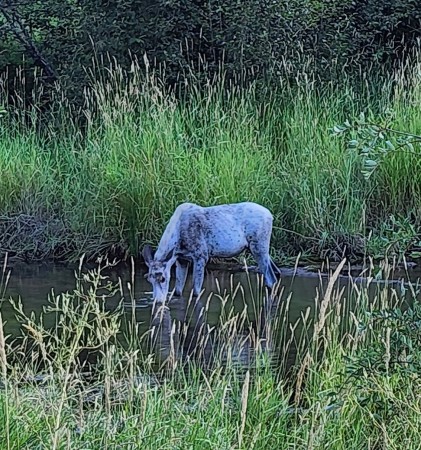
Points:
[(168, 240)]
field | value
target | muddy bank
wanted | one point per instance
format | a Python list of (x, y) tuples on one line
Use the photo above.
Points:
[(27, 239), (37, 239)]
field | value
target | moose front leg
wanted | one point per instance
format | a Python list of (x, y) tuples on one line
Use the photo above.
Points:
[(181, 270), (198, 275)]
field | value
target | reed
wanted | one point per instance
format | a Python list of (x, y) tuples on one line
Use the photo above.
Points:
[(112, 185)]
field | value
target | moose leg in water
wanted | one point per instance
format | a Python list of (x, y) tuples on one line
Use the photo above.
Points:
[(199, 265), (260, 252), (181, 270)]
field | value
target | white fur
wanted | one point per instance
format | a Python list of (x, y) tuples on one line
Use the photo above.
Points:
[(195, 233)]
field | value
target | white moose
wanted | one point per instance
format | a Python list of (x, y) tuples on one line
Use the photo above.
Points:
[(196, 234)]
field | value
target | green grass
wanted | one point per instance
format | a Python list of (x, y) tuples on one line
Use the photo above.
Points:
[(142, 152), (321, 402)]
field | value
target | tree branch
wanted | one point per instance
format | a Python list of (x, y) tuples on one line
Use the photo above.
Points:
[(15, 26)]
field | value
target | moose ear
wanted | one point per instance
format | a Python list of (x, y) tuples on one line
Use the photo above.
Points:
[(147, 254)]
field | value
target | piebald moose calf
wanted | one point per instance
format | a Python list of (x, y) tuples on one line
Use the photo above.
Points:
[(196, 234)]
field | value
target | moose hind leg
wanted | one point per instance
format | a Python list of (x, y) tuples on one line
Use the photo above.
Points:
[(261, 255), (181, 270)]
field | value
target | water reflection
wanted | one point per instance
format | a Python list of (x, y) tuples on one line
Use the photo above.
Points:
[(181, 331)]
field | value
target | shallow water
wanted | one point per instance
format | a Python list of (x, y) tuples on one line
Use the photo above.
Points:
[(34, 283)]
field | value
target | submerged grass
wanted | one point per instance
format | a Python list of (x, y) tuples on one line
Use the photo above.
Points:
[(143, 151), (224, 386)]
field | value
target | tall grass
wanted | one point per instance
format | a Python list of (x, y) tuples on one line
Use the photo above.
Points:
[(144, 150), (235, 393)]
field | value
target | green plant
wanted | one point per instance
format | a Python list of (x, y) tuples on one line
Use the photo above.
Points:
[(374, 142), (111, 186), (249, 396)]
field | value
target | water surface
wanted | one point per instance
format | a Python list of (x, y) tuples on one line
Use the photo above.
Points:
[(33, 284)]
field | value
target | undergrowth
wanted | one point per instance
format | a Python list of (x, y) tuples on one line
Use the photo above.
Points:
[(112, 185), (94, 380)]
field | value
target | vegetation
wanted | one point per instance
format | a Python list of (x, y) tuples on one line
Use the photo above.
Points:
[(112, 185), (229, 103), (311, 109), (352, 385), (193, 38)]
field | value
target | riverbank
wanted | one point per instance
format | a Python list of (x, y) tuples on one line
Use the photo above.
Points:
[(350, 384), (113, 187)]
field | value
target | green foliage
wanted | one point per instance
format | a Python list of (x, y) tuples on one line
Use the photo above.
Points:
[(396, 237), (396, 347), (373, 142), (390, 360), (143, 151), (264, 40)]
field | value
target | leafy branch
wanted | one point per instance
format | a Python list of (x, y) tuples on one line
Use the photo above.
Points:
[(374, 142)]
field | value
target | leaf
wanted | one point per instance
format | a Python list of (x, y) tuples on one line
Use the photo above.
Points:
[(370, 163), (389, 146), (353, 143), (338, 129)]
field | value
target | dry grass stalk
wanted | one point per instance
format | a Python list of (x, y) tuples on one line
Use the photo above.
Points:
[(318, 326), (3, 359), (244, 401)]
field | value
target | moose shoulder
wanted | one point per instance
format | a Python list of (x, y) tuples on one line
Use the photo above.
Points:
[(195, 233)]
